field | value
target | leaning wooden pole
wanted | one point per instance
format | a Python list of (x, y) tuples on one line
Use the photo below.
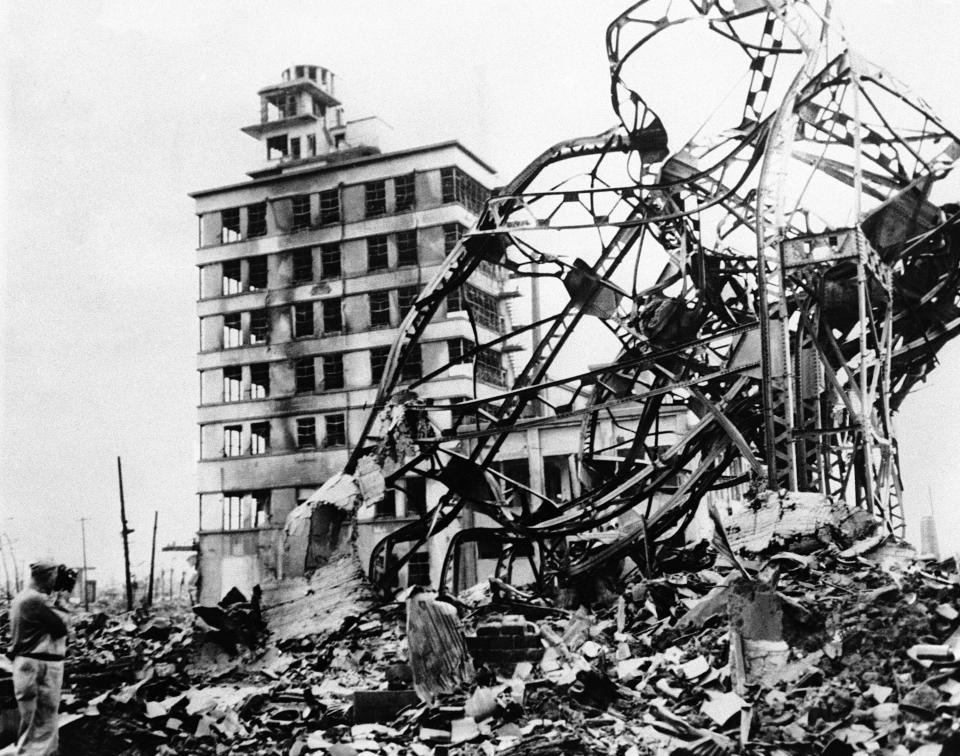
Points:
[(126, 544), (153, 560)]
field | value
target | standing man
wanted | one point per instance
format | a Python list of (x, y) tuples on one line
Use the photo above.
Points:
[(38, 644)]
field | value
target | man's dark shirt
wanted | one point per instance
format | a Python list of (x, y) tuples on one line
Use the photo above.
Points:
[(30, 620)]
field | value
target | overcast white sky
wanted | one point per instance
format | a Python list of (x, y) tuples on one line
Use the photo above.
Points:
[(113, 111)]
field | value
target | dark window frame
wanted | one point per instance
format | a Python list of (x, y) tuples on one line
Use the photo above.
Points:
[(257, 273), (406, 297), (259, 326), (232, 325), (378, 253), (231, 277), (256, 220), (375, 198), (331, 260), (334, 430), (231, 432), (300, 212), (333, 375), (408, 251), (303, 323), (230, 225), (378, 362), (260, 430), (260, 380), (304, 375), (330, 206), (301, 266), (306, 432), (405, 192), (232, 383), (380, 309), (333, 315)]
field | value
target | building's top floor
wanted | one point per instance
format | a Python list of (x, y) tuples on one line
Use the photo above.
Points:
[(407, 183), (352, 168)]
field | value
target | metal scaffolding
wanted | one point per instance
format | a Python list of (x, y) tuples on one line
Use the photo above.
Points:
[(784, 278)]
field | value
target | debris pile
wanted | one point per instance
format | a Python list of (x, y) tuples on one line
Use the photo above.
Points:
[(835, 652)]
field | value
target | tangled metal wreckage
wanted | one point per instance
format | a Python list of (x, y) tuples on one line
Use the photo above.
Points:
[(784, 275)]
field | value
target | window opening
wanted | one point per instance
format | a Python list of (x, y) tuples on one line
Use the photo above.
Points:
[(405, 191), (406, 296), (259, 326), (302, 319), (332, 315), (330, 206), (335, 430), (232, 331), (379, 308), (457, 186), (304, 376), (330, 261), (232, 384), (457, 348), (257, 273), (387, 506), (416, 496), (375, 198), (452, 233), (407, 248), (301, 212), (418, 568), (412, 368), (256, 219), (260, 380), (333, 371), (302, 266), (231, 278), (377, 258), (230, 225), (260, 437), (306, 433), (378, 362), (232, 440), (277, 147)]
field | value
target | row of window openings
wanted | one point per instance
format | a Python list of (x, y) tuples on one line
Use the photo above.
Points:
[(374, 202), (259, 330), (482, 305), (252, 509), (334, 435), (489, 366), (456, 186), (330, 260), (304, 324)]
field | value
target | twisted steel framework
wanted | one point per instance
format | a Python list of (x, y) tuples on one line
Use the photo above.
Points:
[(806, 282)]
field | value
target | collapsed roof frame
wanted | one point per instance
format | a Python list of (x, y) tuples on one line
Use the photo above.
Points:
[(775, 330)]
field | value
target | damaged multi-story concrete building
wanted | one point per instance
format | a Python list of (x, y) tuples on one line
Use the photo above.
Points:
[(306, 268)]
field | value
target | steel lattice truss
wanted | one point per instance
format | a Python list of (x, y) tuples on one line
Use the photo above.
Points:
[(783, 276)]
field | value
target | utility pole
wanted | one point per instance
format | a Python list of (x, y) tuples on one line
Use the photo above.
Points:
[(83, 540), (6, 571), (13, 558), (126, 544), (153, 560)]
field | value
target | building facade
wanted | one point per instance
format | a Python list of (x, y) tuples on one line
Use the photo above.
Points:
[(305, 271)]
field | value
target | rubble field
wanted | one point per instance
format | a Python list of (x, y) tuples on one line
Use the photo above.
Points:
[(833, 652)]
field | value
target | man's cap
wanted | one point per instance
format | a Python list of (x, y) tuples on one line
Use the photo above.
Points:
[(44, 565)]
